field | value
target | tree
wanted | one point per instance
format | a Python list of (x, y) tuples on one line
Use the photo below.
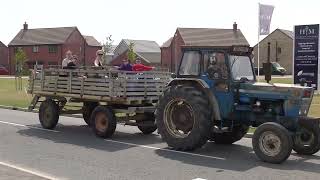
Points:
[(20, 62), (131, 54), (107, 47)]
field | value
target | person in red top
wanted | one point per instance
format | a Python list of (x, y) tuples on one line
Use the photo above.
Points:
[(140, 67)]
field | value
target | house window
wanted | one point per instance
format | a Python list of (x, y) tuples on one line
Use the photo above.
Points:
[(53, 48), (35, 49)]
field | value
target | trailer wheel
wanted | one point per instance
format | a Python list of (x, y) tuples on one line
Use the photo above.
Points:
[(49, 114), (103, 121), (307, 138), (148, 126), (183, 118), (87, 110), (272, 143), (235, 135)]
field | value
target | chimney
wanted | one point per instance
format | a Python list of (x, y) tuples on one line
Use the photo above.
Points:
[(25, 26), (235, 27)]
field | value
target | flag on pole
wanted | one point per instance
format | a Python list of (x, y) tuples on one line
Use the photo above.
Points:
[(265, 15)]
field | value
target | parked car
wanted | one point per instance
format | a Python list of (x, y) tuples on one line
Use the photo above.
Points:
[(277, 69), (3, 70)]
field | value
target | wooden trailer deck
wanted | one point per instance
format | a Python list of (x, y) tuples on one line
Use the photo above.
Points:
[(97, 84)]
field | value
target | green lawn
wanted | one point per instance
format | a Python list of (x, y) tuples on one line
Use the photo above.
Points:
[(9, 96)]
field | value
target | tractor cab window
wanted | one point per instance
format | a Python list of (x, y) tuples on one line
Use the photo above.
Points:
[(241, 67), (190, 64), (215, 66)]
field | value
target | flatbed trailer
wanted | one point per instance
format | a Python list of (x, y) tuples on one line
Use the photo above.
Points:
[(106, 96)]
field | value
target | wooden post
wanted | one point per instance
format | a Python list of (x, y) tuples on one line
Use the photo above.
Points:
[(82, 86), (125, 85), (42, 78), (56, 84), (70, 82)]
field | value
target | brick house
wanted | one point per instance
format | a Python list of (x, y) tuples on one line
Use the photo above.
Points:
[(147, 51), (47, 46), (166, 54), (171, 50), (92, 46), (4, 59), (281, 49)]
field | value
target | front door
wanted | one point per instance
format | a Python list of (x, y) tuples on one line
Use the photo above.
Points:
[(217, 75)]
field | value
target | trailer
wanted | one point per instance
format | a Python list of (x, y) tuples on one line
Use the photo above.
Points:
[(104, 96)]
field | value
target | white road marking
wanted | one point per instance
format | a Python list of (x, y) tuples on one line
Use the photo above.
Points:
[(126, 143), (33, 127), (199, 179), (29, 171), (167, 150)]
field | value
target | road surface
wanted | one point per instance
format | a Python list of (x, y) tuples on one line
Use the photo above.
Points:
[(71, 151)]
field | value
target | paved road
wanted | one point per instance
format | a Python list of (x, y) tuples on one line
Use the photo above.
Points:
[(73, 152)]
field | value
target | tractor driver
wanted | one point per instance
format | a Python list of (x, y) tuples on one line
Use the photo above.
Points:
[(217, 68)]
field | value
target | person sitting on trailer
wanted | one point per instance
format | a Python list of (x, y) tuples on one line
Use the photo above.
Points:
[(98, 60), (69, 62), (125, 66), (140, 67)]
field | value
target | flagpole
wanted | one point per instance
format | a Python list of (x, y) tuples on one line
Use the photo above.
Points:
[(258, 42)]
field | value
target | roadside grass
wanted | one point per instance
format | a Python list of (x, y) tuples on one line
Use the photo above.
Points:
[(9, 96), (281, 80)]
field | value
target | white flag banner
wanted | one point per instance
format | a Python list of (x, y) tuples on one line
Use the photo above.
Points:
[(265, 15)]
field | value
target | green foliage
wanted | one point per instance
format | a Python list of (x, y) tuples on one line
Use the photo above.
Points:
[(107, 47), (131, 54), (20, 62)]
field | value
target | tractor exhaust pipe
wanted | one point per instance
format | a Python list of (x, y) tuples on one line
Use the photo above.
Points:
[(267, 67)]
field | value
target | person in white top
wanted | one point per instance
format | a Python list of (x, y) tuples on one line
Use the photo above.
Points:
[(98, 60), (69, 61)]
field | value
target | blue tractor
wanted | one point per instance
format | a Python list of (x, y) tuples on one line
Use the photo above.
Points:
[(215, 96)]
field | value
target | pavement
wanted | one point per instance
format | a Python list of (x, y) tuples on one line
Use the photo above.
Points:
[(72, 151)]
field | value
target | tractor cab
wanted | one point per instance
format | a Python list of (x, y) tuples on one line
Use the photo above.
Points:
[(221, 69)]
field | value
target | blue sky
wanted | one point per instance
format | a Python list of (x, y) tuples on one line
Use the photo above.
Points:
[(151, 19)]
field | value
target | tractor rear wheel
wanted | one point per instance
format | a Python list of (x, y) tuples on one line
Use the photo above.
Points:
[(307, 138), (236, 134), (272, 143), (87, 110), (183, 118), (49, 114), (103, 121)]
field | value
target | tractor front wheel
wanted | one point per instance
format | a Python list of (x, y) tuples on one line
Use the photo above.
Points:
[(272, 143), (307, 138)]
